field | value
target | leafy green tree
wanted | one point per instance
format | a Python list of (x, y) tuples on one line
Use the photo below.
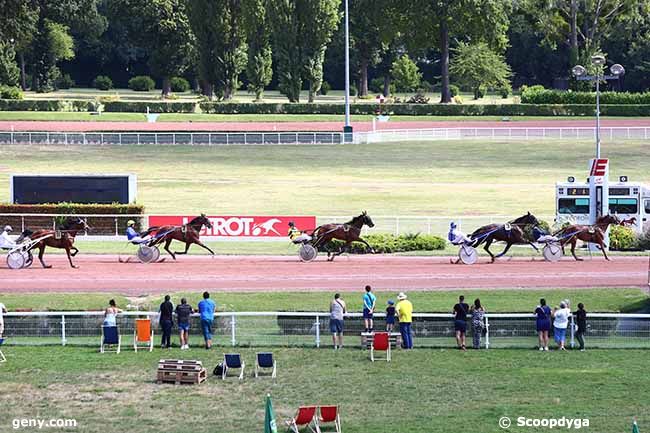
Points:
[(17, 27), (9, 72), (477, 66), (52, 44), (406, 74), (260, 57), (366, 24), (302, 30), (220, 43)]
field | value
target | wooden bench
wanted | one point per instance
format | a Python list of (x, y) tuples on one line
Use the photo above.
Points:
[(179, 372)]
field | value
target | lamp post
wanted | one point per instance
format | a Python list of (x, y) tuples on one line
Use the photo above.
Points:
[(599, 168), (347, 129)]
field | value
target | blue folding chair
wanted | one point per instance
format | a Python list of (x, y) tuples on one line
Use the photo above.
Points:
[(2, 355), (265, 360), (230, 361), (110, 337)]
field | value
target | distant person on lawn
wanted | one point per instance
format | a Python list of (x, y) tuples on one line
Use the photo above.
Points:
[(543, 323), (581, 319), (460, 321), (478, 326), (369, 301), (404, 310), (166, 322), (337, 310), (184, 316), (560, 324), (206, 309), (110, 314), (390, 316), (3, 311)]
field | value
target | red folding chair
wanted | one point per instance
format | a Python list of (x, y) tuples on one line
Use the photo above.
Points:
[(305, 417), (380, 342), (330, 414)]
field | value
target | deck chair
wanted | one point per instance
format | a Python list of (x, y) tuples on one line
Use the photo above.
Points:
[(330, 414), (265, 360), (143, 334), (230, 361), (380, 342), (2, 355), (305, 417), (110, 337)]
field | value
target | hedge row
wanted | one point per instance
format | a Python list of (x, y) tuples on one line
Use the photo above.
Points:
[(389, 243), (539, 95), (72, 208), (503, 110)]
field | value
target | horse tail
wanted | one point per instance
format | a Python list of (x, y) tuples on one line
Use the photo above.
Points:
[(149, 231)]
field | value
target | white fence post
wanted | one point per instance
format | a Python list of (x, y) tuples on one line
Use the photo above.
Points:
[(487, 333), (233, 339), (63, 330), (572, 332), (317, 330)]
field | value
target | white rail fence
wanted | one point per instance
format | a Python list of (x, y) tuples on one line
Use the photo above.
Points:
[(311, 329), (109, 226), (515, 133)]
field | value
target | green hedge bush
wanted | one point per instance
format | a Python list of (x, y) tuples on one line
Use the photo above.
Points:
[(643, 241), (154, 107), (539, 95), (72, 208), (142, 83), (44, 105), (11, 92), (179, 84), (102, 82), (622, 238), (65, 81), (389, 243)]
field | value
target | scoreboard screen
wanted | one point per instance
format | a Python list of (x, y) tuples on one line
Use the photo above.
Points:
[(100, 189), (577, 191)]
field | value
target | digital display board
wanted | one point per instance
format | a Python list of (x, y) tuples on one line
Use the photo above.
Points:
[(100, 189)]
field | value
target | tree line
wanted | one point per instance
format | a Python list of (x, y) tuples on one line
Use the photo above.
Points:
[(294, 45)]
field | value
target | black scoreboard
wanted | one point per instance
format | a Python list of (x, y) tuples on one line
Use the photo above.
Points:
[(101, 189)]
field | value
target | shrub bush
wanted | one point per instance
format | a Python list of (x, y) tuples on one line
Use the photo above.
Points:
[(179, 84), (539, 95), (142, 83), (428, 87), (418, 98), (505, 90), (102, 82), (389, 243), (454, 90), (11, 92), (622, 238), (65, 81), (643, 241), (480, 92), (376, 85), (353, 90), (528, 230), (69, 208), (154, 107), (325, 88)]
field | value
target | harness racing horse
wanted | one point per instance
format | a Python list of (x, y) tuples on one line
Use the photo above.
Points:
[(62, 238), (187, 233), (348, 232), (593, 234), (511, 233)]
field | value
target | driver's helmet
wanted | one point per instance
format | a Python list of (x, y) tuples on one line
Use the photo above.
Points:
[(8, 229), (452, 225), (291, 224), (130, 223)]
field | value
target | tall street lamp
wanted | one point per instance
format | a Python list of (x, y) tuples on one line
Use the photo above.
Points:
[(599, 168), (347, 129)]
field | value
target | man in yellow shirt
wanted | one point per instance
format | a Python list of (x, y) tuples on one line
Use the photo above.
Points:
[(404, 310)]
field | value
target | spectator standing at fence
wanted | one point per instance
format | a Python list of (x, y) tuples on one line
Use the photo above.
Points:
[(390, 315), (581, 319), (337, 310), (110, 314), (3, 311), (369, 301), (560, 324), (166, 311), (184, 316), (478, 326), (404, 310), (460, 321), (543, 323), (206, 310)]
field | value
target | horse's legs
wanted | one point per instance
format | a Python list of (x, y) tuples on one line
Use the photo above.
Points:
[(534, 246), (601, 243), (486, 247), (199, 243), (372, 250), (41, 251), (67, 250), (345, 247), (505, 250), (573, 249), (171, 253), (73, 251)]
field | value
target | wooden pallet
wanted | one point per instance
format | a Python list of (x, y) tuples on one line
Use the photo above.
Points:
[(179, 372)]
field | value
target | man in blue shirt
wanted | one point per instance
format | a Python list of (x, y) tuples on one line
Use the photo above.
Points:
[(206, 310), (133, 236), (369, 300)]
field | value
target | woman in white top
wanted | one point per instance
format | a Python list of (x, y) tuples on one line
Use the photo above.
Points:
[(110, 315), (560, 324)]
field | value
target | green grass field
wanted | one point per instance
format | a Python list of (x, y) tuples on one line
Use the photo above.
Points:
[(471, 177), (423, 391)]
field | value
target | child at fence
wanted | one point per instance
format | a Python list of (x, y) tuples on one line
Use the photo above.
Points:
[(390, 316)]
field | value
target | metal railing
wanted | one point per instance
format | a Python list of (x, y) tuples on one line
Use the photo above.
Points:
[(311, 329), (113, 225), (171, 138), (505, 132)]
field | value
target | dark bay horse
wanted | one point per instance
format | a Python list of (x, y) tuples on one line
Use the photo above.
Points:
[(347, 232), (187, 233), (511, 233), (61, 238), (593, 234)]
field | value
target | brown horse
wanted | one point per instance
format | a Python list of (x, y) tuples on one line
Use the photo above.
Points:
[(511, 233), (348, 232), (593, 234), (61, 238), (187, 233)]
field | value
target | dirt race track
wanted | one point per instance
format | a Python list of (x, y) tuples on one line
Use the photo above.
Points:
[(103, 273)]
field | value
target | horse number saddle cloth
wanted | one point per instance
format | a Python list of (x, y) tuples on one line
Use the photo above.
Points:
[(507, 227), (592, 230), (57, 234), (346, 228)]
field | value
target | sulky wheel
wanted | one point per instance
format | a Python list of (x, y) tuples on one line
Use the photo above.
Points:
[(307, 253), (467, 255), (147, 254), (552, 252), (15, 260)]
